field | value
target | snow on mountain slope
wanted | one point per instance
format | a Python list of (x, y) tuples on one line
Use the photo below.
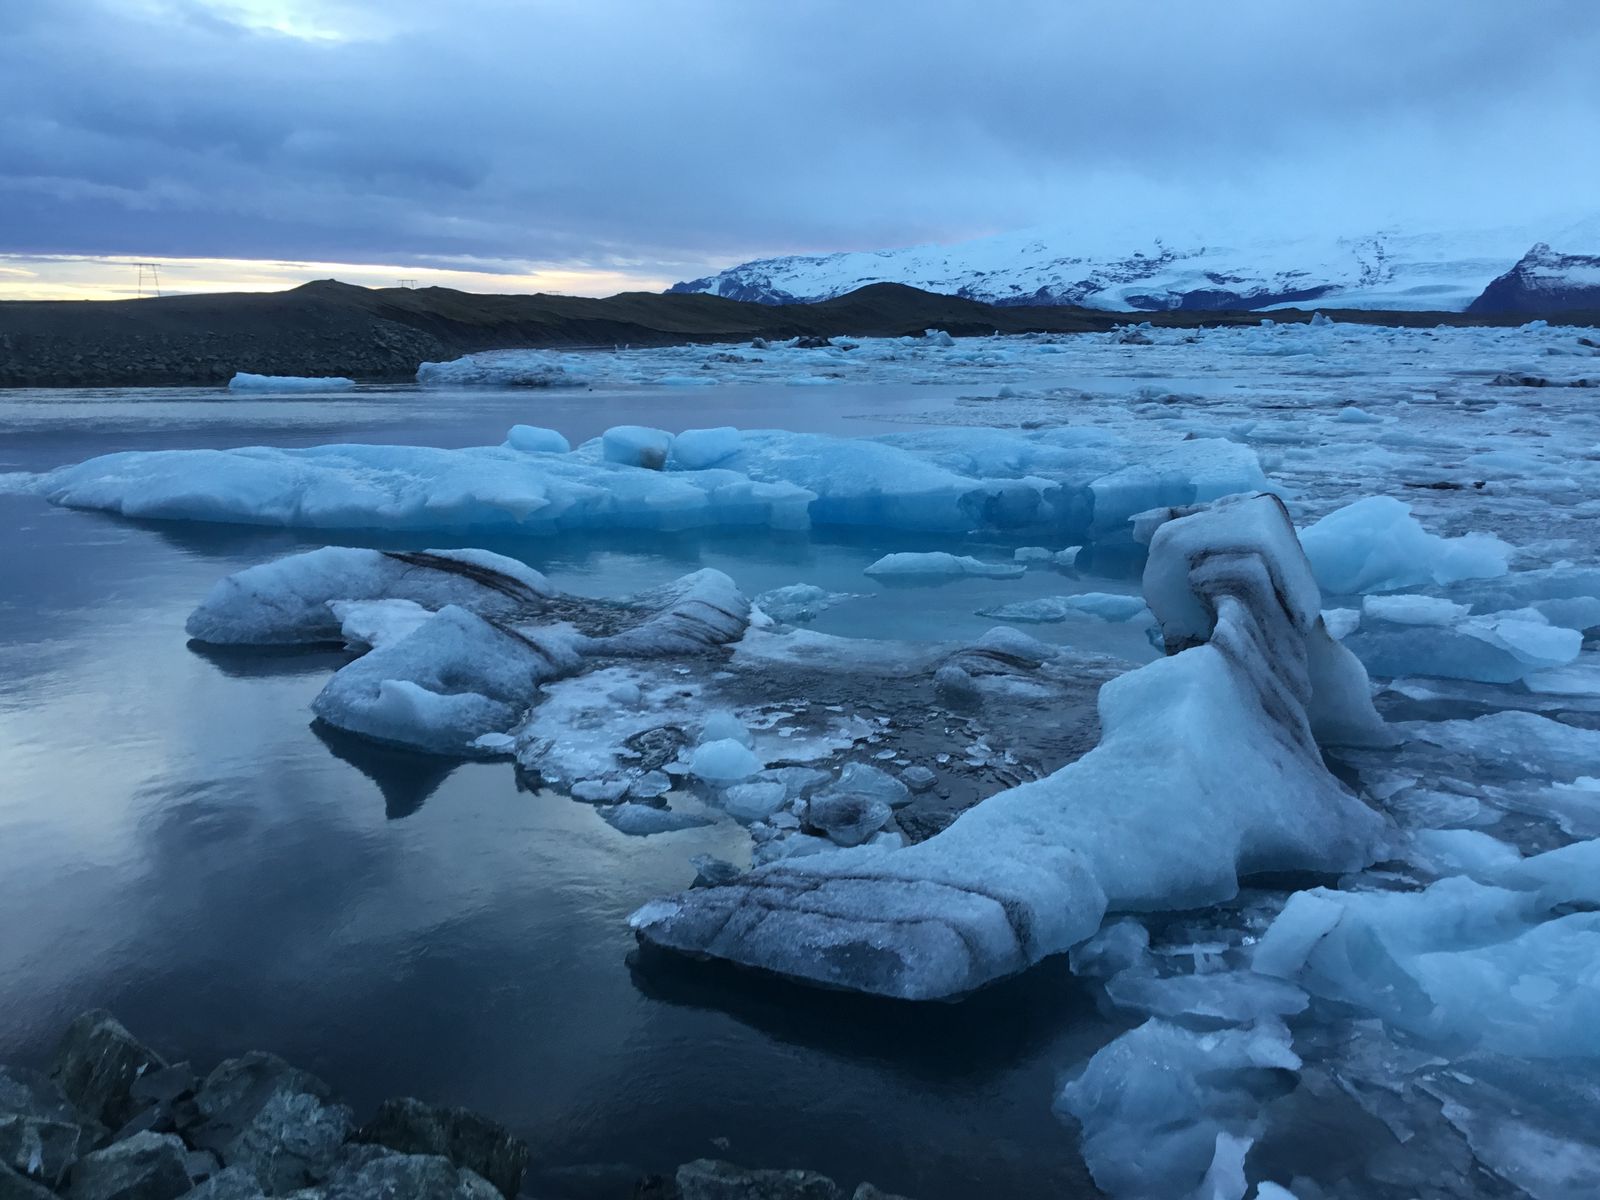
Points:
[(1543, 280), (1384, 269)]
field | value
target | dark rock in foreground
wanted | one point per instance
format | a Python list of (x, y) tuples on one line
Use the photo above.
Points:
[(97, 1064), (408, 1126), (257, 1126), (146, 1166)]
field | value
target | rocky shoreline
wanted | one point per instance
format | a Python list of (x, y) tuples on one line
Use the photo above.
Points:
[(328, 328), (114, 1120)]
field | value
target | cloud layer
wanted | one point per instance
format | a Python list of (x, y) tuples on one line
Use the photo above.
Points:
[(657, 139)]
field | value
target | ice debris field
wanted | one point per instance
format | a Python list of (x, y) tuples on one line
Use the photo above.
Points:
[(1332, 860)]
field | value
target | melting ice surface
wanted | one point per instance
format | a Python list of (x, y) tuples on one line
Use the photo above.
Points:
[(1402, 949)]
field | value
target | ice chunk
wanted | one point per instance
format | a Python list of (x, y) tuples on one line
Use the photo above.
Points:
[(1238, 785), (641, 820), (1156, 1102), (754, 801), (951, 481), (243, 381), (799, 602), (722, 762), (1351, 415), (1043, 556), (694, 613), (1107, 606), (287, 601), (1579, 679), (1518, 743), (936, 564), (637, 446), (533, 439), (1492, 648), (1376, 545), (368, 623), (846, 818), (1233, 997), (863, 779), (1506, 969), (1413, 610), (696, 449), (439, 688), (723, 724)]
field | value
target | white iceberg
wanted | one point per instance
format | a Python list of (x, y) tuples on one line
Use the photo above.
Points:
[(1238, 786), (243, 381), (938, 564), (1376, 545), (287, 601), (945, 481)]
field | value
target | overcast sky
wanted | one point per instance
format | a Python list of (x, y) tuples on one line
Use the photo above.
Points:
[(586, 145)]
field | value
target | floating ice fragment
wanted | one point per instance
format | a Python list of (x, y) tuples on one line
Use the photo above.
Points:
[(243, 381), (937, 564), (697, 449), (1107, 606), (533, 439), (723, 724), (1376, 545), (642, 820), (1156, 1102), (724, 761), (288, 600), (637, 446)]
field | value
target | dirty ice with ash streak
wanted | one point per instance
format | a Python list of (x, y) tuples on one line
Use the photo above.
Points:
[(1331, 861)]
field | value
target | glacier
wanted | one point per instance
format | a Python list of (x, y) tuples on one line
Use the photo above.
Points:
[(1182, 269)]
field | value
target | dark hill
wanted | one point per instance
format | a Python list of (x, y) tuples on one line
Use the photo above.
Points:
[(332, 328)]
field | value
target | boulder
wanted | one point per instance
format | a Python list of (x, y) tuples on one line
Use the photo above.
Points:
[(147, 1166), (711, 1179), (97, 1063), (275, 1120), (371, 1172), (868, 1192), (17, 1187), (231, 1183), (41, 1133), (408, 1126)]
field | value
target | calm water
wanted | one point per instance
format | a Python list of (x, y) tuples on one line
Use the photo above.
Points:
[(179, 844)]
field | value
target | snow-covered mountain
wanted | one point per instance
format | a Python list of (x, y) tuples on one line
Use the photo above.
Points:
[(1382, 269), (1544, 281)]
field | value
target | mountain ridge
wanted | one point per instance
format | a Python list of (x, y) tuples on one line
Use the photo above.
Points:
[(1388, 269)]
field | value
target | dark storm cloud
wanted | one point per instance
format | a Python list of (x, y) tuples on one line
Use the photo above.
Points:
[(673, 132)]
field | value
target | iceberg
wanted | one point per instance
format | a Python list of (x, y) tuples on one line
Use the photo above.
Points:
[(1508, 965), (1163, 1106), (535, 439), (1053, 482), (287, 601), (1107, 606), (1238, 787), (1376, 545), (452, 679), (938, 564), (243, 381)]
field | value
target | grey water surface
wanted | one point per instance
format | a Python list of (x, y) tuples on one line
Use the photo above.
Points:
[(180, 844)]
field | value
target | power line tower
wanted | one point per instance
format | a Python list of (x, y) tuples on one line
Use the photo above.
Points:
[(408, 283), (150, 272)]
